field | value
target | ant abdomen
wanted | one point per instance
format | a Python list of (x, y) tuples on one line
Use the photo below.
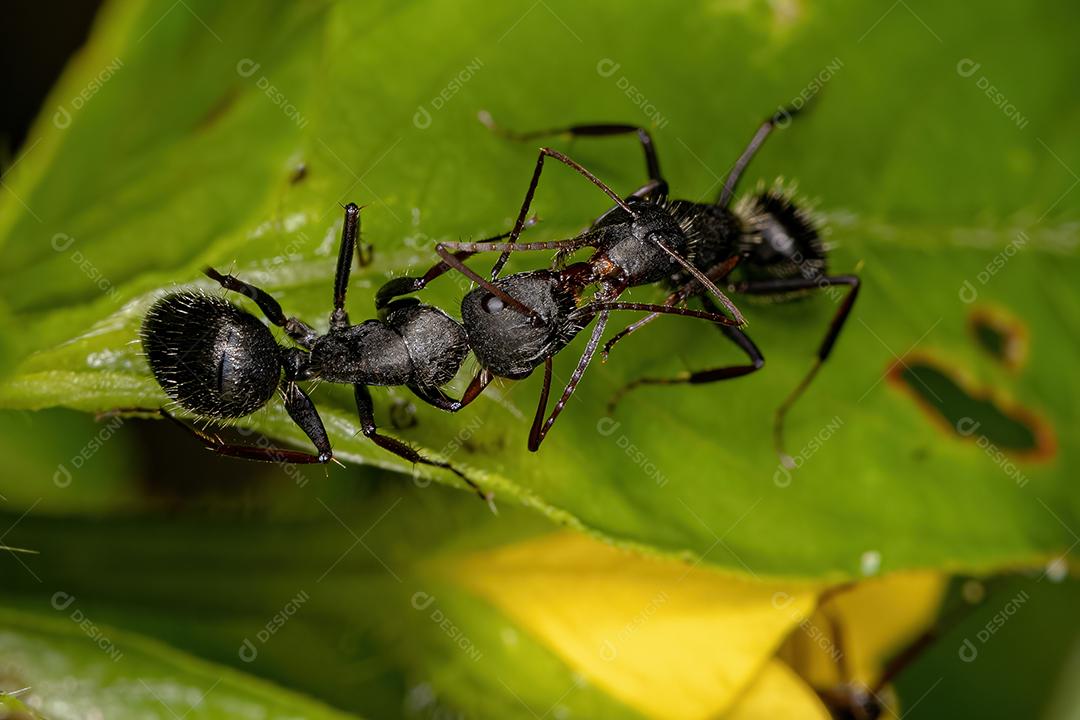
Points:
[(786, 243), (210, 356), (510, 343)]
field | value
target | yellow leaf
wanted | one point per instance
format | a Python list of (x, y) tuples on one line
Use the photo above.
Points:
[(667, 638), (777, 692), (859, 629)]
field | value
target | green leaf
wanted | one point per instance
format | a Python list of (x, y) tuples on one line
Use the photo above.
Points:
[(188, 154), (422, 604), (66, 462), (353, 599), (67, 666)]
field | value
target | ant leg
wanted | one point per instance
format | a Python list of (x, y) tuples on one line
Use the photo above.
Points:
[(350, 232), (437, 398), (701, 377), (705, 282), (715, 317), (751, 149), (488, 246), (451, 260), (672, 300), (303, 413), (298, 330), (538, 432), (656, 183), (946, 621), (366, 409), (652, 162), (548, 152), (407, 284), (676, 298), (772, 287)]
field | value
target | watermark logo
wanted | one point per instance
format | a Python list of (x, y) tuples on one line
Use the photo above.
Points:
[(608, 427), (61, 601), (967, 68), (969, 293), (62, 242), (969, 650), (62, 117), (607, 68), (422, 118), (783, 117), (249, 650), (63, 476), (422, 601), (968, 427), (782, 476), (247, 68)]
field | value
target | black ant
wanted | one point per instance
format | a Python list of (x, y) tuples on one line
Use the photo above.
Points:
[(519, 321), (219, 361), (766, 245)]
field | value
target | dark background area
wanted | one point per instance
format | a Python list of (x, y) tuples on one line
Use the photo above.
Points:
[(36, 40)]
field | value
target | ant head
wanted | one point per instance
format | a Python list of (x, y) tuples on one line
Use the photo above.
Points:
[(510, 343), (210, 356)]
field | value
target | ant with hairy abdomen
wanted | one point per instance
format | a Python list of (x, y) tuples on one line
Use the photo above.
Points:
[(218, 361), (515, 323), (766, 245)]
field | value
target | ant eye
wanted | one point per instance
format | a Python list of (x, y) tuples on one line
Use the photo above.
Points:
[(492, 304)]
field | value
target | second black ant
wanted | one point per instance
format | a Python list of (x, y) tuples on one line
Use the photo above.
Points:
[(766, 245)]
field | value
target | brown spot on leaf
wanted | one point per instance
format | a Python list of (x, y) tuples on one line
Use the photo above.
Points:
[(967, 413), (1001, 335)]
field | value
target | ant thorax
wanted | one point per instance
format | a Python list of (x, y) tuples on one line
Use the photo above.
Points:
[(633, 247), (413, 345), (714, 235), (371, 352)]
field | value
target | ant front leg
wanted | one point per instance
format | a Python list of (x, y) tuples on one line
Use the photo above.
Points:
[(303, 413), (780, 286), (540, 427), (350, 234), (701, 377), (366, 409), (675, 299), (298, 330), (437, 398), (407, 284), (555, 154)]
